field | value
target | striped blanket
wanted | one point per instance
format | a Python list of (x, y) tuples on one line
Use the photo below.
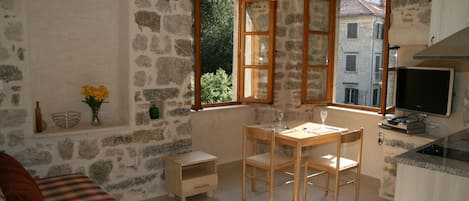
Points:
[(71, 187)]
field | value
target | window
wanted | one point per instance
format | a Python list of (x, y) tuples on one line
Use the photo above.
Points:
[(318, 51), (370, 66), (379, 31), (352, 30), (351, 96), (221, 75), (256, 61), (351, 63)]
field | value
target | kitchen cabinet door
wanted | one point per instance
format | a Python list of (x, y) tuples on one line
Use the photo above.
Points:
[(447, 17)]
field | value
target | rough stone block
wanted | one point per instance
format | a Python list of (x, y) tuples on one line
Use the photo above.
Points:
[(15, 99), (172, 69), (161, 45), (140, 78), (32, 156), (184, 129), (148, 19), (15, 138), (143, 61), (178, 24), (100, 171), (294, 18), (140, 42), (178, 145), (154, 164), (142, 118), (88, 149), (58, 170), (65, 149), (14, 31), (160, 94), (180, 112), (10, 73), (132, 182), (183, 48), (2, 139), (163, 6), (4, 54), (114, 152), (142, 3), (12, 118), (7, 4), (294, 46)]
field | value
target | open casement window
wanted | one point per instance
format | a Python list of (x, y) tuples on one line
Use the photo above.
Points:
[(318, 51), (329, 27), (256, 52)]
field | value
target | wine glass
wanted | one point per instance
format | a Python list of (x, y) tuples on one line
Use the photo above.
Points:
[(280, 115), (323, 117)]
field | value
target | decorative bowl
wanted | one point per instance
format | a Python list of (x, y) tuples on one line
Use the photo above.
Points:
[(66, 119)]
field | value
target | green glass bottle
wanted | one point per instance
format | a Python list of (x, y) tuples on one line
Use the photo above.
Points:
[(154, 112)]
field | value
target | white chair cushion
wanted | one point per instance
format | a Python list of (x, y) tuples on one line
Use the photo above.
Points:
[(330, 162)]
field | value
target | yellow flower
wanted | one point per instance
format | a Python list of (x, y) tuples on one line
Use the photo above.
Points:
[(94, 96)]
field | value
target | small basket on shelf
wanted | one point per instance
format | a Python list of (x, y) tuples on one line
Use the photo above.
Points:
[(66, 119)]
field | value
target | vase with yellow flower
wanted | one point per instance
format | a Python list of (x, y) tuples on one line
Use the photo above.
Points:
[(94, 97)]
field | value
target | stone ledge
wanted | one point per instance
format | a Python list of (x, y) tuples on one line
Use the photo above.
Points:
[(82, 129)]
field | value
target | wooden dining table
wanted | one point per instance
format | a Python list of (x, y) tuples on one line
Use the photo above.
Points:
[(299, 134)]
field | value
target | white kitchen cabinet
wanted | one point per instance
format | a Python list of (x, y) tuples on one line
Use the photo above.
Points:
[(396, 143), (447, 17), (419, 184)]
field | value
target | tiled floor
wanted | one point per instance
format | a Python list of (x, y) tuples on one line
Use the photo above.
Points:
[(229, 189)]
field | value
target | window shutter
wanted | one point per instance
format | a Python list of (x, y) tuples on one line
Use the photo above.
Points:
[(352, 30), (347, 95), (355, 96), (377, 63), (350, 62)]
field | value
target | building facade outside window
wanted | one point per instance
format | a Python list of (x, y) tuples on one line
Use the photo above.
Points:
[(363, 55)]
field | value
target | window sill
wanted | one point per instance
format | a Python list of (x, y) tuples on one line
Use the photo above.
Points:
[(226, 107), (347, 109), (84, 129)]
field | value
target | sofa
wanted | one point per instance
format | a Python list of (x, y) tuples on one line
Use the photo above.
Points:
[(16, 184)]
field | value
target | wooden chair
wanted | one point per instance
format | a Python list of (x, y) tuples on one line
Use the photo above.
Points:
[(328, 164), (269, 161)]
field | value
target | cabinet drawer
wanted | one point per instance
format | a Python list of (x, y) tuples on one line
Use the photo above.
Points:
[(199, 185)]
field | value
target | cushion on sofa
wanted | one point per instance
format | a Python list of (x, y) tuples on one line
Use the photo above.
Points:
[(16, 183), (72, 187), (2, 197)]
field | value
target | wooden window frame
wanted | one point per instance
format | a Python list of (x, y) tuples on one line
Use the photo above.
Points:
[(198, 62), (241, 51), (331, 52)]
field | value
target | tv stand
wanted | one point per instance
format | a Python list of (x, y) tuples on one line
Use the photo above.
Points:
[(403, 124)]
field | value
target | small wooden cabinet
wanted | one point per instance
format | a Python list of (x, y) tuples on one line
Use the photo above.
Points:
[(396, 143), (190, 174)]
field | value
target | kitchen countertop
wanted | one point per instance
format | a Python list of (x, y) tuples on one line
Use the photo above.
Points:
[(448, 154)]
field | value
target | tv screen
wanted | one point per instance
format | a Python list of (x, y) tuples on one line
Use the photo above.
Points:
[(427, 90)]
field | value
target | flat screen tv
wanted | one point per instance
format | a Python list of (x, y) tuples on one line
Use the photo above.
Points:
[(426, 90)]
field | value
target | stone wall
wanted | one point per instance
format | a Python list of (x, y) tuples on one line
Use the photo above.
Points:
[(126, 161), (14, 96)]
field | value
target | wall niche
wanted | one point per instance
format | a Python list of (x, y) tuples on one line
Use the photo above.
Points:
[(75, 43)]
